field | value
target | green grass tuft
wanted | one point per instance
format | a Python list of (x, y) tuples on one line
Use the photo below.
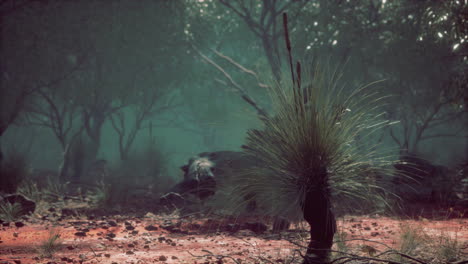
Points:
[(448, 248), (50, 245), (101, 196), (30, 189), (10, 212)]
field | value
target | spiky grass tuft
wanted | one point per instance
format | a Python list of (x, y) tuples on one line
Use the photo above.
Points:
[(30, 189), (314, 128), (10, 212), (448, 248), (50, 245)]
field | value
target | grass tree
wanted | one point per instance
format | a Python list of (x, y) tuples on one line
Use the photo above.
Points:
[(308, 155)]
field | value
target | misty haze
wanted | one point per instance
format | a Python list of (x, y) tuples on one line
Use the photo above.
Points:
[(233, 131)]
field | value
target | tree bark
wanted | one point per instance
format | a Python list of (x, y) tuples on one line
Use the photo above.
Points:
[(318, 213)]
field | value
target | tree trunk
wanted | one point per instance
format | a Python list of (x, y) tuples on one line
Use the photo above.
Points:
[(65, 165), (317, 212), (273, 59)]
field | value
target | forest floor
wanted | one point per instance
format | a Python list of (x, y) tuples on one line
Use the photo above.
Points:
[(193, 239)]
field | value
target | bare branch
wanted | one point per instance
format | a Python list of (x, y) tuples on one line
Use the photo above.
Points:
[(235, 85), (242, 68)]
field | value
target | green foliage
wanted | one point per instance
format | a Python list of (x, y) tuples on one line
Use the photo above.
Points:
[(313, 128), (12, 171), (50, 245), (10, 212)]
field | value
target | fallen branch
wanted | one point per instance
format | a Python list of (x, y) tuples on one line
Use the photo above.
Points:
[(210, 254)]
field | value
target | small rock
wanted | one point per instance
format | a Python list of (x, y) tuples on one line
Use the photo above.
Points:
[(162, 258), (19, 224), (151, 228), (129, 252), (255, 227), (68, 212), (80, 234)]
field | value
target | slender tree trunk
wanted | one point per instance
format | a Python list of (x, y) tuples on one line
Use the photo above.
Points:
[(317, 212), (65, 165)]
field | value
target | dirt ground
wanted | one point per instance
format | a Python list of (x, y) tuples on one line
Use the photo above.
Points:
[(171, 239)]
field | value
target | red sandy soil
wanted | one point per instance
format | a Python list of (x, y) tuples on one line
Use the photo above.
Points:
[(197, 240)]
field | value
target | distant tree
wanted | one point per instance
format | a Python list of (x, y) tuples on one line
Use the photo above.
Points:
[(57, 109), (146, 104), (264, 20), (33, 59), (429, 72)]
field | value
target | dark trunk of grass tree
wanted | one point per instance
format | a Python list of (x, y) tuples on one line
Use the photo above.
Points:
[(318, 213)]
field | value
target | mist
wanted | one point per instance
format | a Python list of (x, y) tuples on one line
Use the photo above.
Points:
[(123, 94)]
